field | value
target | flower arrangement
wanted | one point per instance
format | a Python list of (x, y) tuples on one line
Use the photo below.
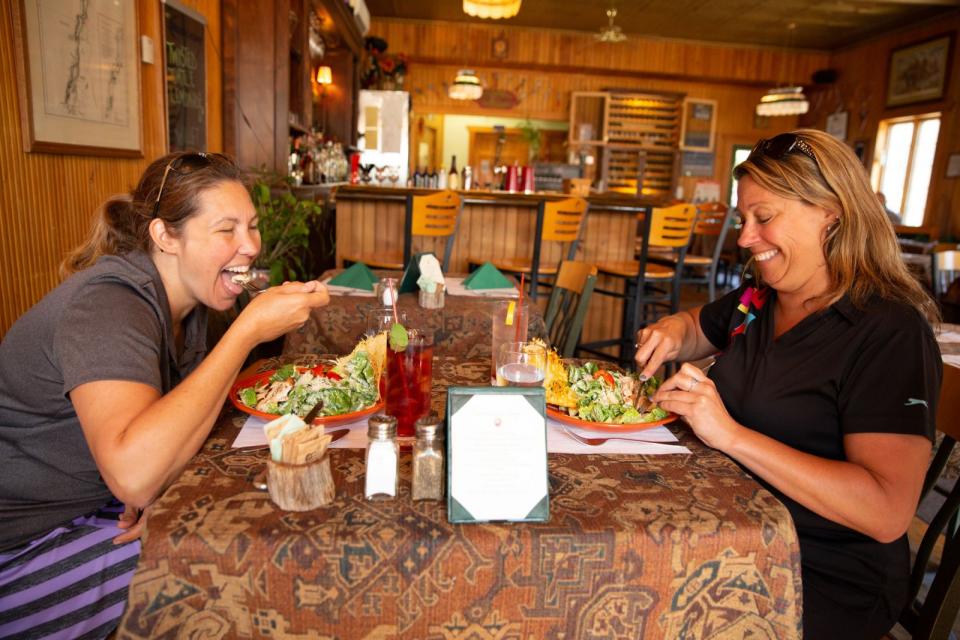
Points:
[(382, 70)]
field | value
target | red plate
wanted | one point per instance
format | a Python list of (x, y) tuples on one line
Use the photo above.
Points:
[(606, 427), (328, 421), (561, 415)]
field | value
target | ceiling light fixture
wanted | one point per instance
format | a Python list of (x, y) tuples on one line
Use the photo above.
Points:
[(493, 9), (466, 86), (784, 100), (612, 32)]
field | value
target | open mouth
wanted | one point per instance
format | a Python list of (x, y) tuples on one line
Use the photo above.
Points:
[(235, 277)]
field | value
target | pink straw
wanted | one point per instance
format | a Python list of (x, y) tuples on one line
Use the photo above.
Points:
[(393, 303), (519, 317)]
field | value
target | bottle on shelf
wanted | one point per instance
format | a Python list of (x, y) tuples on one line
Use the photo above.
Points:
[(431, 181), (466, 178), (441, 179), (453, 178), (416, 178)]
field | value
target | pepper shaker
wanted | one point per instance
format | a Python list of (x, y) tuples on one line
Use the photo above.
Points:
[(428, 459)]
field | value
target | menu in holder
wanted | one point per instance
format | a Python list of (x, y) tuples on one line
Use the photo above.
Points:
[(497, 454), (411, 273)]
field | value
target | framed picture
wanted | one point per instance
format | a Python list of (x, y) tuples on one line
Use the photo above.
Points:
[(78, 76), (699, 124), (919, 72), (837, 124), (184, 61), (953, 166)]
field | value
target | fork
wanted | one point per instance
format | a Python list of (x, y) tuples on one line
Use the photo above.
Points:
[(596, 442), (250, 286)]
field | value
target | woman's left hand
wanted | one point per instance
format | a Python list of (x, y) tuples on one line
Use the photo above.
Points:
[(132, 520), (692, 395)]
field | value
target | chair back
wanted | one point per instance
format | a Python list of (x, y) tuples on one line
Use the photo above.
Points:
[(568, 304), (560, 221), (671, 227), (934, 616), (435, 215), (946, 267)]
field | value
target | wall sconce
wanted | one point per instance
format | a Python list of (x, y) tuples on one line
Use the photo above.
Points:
[(324, 76)]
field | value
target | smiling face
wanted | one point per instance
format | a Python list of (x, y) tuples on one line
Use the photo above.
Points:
[(220, 240), (785, 238)]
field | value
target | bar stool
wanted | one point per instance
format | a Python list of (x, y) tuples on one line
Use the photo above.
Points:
[(665, 234), (559, 221), (713, 222), (436, 215)]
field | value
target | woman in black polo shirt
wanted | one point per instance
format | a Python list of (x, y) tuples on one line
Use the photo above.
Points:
[(827, 377)]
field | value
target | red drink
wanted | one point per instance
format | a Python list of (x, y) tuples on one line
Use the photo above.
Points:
[(409, 378)]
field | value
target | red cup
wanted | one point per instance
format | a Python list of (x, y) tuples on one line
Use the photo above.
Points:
[(512, 183), (527, 180)]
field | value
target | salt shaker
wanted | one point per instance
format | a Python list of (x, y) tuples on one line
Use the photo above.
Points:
[(386, 291), (428, 459), (383, 454)]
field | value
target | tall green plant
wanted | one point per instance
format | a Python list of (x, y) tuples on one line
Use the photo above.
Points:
[(285, 223)]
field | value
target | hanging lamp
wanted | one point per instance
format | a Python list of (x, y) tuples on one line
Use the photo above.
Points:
[(784, 100), (466, 86), (492, 9)]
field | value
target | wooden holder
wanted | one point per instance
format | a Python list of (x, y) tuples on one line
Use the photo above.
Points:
[(300, 487), (432, 300)]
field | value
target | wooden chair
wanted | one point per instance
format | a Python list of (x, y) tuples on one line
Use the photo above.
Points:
[(652, 283), (935, 615), (709, 234), (560, 221), (436, 215), (945, 266), (568, 304)]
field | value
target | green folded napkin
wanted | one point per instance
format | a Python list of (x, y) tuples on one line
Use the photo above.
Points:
[(487, 277), (357, 276)]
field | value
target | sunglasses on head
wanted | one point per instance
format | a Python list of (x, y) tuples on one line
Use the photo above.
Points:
[(185, 165), (779, 146)]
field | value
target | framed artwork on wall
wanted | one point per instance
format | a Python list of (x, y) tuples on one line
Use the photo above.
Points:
[(699, 125), (78, 76), (184, 61), (919, 72), (837, 124)]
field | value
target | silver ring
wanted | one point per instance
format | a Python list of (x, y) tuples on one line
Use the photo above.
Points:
[(694, 382)]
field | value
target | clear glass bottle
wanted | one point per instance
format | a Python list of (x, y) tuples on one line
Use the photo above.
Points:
[(383, 454), (428, 471)]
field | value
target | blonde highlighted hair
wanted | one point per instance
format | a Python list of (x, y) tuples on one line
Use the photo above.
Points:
[(862, 254)]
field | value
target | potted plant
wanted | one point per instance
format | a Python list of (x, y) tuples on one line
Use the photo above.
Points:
[(533, 138), (285, 223)]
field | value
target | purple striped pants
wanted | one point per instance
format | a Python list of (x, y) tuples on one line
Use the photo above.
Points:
[(70, 583)]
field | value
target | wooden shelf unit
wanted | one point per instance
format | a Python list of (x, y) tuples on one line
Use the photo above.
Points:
[(635, 136)]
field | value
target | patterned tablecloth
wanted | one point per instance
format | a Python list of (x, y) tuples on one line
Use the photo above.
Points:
[(637, 546)]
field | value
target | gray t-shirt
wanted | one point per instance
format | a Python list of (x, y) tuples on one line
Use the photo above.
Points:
[(108, 322)]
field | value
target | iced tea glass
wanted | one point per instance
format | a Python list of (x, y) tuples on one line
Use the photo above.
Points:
[(409, 378)]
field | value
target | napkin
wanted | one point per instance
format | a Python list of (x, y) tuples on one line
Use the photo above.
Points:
[(487, 277), (430, 273), (357, 276)]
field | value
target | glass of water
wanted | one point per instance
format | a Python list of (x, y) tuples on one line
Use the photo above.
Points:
[(521, 364)]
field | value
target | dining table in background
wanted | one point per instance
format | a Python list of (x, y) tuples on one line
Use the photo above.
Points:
[(652, 546)]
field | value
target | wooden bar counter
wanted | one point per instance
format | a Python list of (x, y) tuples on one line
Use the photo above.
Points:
[(495, 225)]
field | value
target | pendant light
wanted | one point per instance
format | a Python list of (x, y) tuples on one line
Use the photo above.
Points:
[(493, 9), (784, 100), (466, 86)]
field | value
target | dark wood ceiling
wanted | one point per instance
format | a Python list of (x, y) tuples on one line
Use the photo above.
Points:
[(820, 24)]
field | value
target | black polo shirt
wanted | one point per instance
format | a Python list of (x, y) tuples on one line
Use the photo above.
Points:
[(841, 370)]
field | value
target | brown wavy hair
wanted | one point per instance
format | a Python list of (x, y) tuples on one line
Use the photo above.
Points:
[(862, 253), (121, 224)]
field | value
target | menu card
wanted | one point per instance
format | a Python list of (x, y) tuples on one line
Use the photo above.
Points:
[(497, 454)]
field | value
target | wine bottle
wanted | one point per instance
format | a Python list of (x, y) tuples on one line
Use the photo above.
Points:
[(453, 178), (417, 177), (441, 178), (466, 178)]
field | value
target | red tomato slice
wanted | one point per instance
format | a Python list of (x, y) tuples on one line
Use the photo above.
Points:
[(605, 375)]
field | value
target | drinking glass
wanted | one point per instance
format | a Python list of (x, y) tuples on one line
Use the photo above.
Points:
[(380, 320), (409, 378), (381, 175), (521, 364), (393, 175), (510, 323)]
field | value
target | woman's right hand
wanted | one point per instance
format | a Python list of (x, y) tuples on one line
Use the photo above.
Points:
[(279, 310), (658, 343)]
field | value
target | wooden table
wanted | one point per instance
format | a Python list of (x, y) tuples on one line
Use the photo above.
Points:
[(636, 547)]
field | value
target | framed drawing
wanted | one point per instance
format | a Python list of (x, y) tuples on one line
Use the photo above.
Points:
[(78, 76), (184, 61), (919, 72), (699, 124)]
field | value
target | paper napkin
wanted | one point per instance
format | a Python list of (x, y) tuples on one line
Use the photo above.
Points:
[(487, 277), (357, 276), (430, 273)]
